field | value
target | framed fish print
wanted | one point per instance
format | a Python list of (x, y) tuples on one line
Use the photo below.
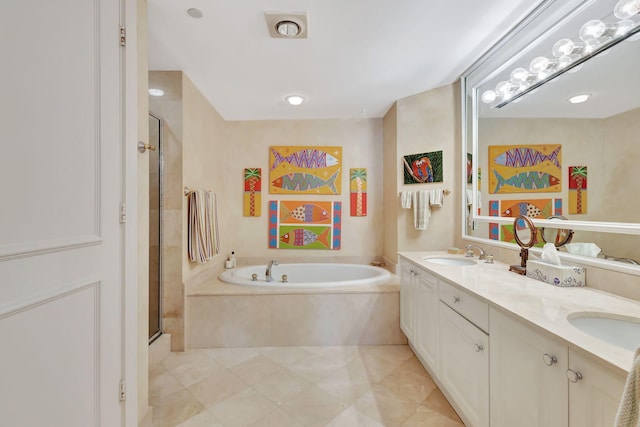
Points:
[(525, 168), (305, 170), (305, 225), (423, 167)]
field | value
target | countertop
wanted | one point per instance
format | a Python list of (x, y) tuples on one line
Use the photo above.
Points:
[(537, 303)]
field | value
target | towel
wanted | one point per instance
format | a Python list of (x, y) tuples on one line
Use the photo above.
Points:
[(421, 209), (469, 197), (203, 240), (405, 199), (435, 198), (629, 410)]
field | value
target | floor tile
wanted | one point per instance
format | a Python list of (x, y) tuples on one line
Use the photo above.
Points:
[(315, 367), (348, 385), (197, 368), (162, 383), (405, 383), (229, 357), (340, 355), (216, 388), (285, 356), (276, 418), (255, 369), (174, 409), (396, 354), (385, 407), (351, 417), (371, 367), (243, 408), (414, 365), (438, 403), (281, 386), (430, 418), (314, 406), (203, 419)]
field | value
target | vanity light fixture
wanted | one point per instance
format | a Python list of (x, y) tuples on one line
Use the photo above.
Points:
[(579, 99), (155, 92), (595, 37), (294, 99)]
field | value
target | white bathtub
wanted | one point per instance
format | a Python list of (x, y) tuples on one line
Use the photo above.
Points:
[(308, 275)]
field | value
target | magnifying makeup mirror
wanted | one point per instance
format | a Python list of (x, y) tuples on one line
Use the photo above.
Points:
[(526, 235), (558, 236)]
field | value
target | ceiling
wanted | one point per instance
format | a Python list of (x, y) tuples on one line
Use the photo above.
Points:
[(360, 55)]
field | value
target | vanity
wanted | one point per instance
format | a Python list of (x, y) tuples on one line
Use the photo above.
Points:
[(502, 347)]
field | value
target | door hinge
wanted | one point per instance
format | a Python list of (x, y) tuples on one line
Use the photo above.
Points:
[(123, 213), (123, 36), (123, 390)]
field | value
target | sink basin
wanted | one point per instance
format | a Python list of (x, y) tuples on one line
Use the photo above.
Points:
[(616, 330), (450, 261)]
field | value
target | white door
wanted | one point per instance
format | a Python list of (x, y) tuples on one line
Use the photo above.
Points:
[(61, 181)]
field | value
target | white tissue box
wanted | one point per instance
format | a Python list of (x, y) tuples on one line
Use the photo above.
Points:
[(558, 275)]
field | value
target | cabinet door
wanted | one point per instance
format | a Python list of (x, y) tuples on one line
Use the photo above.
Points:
[(426, 313), (593, 399), (407, 319), (528, 382), (463, 363)]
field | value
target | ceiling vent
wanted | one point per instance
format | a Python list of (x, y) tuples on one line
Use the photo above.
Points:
[(287, 25)]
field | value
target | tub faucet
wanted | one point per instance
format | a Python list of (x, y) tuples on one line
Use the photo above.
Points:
[(268, 273), (469, 249)]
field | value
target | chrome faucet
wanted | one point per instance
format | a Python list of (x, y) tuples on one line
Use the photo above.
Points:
[(469, 253), (627, 260), (268, 273)]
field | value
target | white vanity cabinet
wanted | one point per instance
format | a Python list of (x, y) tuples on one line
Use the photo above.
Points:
[(528, 382), (536, 380), (595, 394), (426, 314), (463, 356), (407, 299)]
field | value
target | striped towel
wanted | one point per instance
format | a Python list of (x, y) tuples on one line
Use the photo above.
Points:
[(629, 409), (202, 234), (436, 198), (405, 199), (421, 209)]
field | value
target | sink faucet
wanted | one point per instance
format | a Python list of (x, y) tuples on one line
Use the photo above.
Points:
[(469, 249), (628, 260), (268, 273)]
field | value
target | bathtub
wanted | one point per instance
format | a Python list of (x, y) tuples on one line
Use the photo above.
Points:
[(308, 275)]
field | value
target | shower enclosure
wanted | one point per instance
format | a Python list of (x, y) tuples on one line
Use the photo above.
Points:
[(155, 227)]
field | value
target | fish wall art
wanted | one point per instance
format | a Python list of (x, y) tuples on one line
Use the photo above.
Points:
[(358, 189), (305, 170), (577, 189), (252, 200), (422, 168), (525, 168), (305, 224), (533, 208)]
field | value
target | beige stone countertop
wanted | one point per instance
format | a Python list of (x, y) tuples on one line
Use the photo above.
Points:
[(215, 286), (541, 304)]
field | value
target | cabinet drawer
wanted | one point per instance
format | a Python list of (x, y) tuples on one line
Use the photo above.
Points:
[(469, 306)]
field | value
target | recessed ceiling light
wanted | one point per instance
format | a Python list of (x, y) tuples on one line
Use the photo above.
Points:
[(195, 13), (156, 92), (288, 28), (577, 99), (294, 99)]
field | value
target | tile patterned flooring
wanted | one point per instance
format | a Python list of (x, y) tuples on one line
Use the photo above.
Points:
[(369, 386)]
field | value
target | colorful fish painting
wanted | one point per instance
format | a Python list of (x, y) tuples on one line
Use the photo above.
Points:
[(305, 182), (527, 180), (522, 157), (303, 237), (528, 209), (310, 158), (308, 213)]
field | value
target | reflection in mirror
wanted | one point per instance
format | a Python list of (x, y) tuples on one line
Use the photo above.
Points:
[(558, 236), (544, 156)]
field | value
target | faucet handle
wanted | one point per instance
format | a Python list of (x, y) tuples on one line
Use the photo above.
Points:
[(469, 253)]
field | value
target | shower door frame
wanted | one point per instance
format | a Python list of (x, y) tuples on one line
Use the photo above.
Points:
[(156, 335)]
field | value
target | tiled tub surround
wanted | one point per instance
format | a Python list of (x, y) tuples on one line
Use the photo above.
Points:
[(225, 315)]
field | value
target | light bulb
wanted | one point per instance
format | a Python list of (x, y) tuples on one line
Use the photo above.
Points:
[(592, 29), (504, 87), (294, 99), (155, 92), (519, 75), (626, 8), (565, 61), (488, 96), (566, 47), (578, 99), (541, 64)]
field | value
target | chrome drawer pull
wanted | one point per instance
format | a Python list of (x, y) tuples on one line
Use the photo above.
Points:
[(573, 376), (478, 348), (456, 300), (549, 360)]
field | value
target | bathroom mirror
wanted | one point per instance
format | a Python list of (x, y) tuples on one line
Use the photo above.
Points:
[(531, 151)]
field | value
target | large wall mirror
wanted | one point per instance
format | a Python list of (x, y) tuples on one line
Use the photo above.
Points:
[(532, 150)]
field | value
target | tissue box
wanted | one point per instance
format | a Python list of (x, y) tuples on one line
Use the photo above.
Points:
[(556, 274)]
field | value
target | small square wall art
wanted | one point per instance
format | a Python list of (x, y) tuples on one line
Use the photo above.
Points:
[(358, 189), (252, 200), (305, 224), (423, 167), (305, 170)]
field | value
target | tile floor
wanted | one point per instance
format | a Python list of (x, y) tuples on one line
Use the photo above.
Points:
[(368, 386)]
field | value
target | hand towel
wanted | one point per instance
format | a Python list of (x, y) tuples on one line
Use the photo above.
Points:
[(629, 410), (436, 197), (469, 197), (202, 229), (405, 199), (421, 209)]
